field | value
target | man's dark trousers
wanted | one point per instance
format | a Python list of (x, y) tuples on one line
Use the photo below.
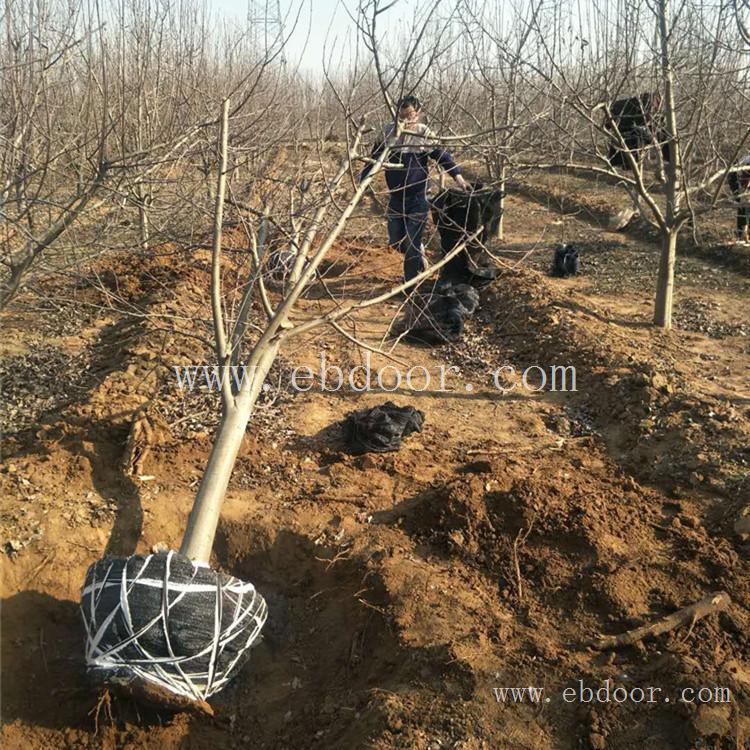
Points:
[(407, 217), (743, 221)]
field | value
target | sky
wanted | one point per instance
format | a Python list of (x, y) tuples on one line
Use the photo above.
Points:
[(322, 23)]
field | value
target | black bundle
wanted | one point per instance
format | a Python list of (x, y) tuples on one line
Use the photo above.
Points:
[(565, 261), (163, 619), (382, 428), (639, 120), (459, 214), (481, 276), (439, 317)]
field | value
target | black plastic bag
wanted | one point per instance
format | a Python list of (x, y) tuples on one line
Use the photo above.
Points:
[(438, 317), (565, 261), (382, 428)]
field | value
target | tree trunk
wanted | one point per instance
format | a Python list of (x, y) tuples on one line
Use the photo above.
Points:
[(204, 517), (139, 191), (237, 403), (142, 215), (665, 282), (10, 288), (501, 223)]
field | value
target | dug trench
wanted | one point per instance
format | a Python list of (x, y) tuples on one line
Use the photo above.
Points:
[(404, 587)]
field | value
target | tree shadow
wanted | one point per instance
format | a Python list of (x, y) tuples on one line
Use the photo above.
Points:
[(614, 320), (102, 446), (110, 481), (101, 443)]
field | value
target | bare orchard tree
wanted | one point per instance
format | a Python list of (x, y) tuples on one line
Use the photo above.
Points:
[(692, 80), (53, 131), (498, 35), (319, 205), (313, 232), (105, 112)]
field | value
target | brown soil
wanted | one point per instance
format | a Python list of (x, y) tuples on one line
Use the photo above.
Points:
[(403, 587)]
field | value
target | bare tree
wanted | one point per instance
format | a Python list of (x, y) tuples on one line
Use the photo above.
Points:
[(317, 216), (498, 36), (238, 401), (687, 62), (105, 109), (41, 138)]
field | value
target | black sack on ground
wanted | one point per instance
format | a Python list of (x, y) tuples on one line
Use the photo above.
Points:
[(565, 261), (382, 428), (438, 317), (482, 276)]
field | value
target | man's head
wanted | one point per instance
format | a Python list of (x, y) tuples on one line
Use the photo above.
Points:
[(409, 109)]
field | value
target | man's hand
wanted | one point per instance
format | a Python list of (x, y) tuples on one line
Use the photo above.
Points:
[(461, 182)]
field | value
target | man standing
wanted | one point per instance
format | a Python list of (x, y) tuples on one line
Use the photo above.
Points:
[(407, 206)]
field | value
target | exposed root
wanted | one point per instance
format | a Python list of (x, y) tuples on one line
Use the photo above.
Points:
[(715, 602)]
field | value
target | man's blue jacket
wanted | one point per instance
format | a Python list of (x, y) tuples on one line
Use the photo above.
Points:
[(408, 183)]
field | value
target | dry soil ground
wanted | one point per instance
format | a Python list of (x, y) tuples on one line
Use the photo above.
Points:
[(404, 587)]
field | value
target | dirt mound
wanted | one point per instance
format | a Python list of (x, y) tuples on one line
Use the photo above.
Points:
[(632, 389)]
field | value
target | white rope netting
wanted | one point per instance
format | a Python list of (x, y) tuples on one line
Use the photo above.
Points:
[(167, 620)]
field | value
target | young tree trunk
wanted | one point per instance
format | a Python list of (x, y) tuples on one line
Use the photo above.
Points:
[(204, 517), (139, 191), (142, 215), (236, 408), (665, 282), (501, 223)]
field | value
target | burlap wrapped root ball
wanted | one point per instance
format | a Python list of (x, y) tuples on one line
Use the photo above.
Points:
[(163, 621)]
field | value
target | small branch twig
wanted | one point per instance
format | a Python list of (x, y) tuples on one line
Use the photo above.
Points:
[(520, 540), (220, 333)]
